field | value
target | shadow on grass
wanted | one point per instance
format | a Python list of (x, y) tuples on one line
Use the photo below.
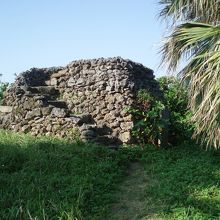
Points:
[(47, 178)]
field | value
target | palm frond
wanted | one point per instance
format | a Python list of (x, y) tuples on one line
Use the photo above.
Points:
[(199, 43), (207, 11), (205, 97), (189, 40)]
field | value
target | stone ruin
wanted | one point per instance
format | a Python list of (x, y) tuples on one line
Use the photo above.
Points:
[(86, 98)]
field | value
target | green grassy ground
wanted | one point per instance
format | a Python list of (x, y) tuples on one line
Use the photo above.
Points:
[(53, 179), (176, 183), (187, 182)]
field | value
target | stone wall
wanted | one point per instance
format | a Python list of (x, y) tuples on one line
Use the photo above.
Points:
[(86, 97)]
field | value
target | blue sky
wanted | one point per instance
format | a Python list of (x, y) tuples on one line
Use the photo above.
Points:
[(44, 33)]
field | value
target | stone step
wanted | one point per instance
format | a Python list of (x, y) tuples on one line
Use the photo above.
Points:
[(5, 109), (42, 97), (43, 90), (57, 104), (84, 120), (107, 140), (37, 96)]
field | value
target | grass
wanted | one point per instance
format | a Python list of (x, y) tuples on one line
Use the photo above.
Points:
[(131, 201), (53, 179), (177, 183), (47, 178), (188, 182)]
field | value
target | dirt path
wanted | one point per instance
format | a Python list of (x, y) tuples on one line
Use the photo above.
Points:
[(132, 202)]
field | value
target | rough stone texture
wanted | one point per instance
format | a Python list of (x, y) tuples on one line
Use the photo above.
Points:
[(89, 97), (5, 109)]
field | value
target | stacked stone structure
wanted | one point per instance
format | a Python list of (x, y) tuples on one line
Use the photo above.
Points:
[(88, 98)]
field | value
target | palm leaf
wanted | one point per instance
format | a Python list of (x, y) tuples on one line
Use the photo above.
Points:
[(207, 11), (189, 40), (200, 43), (205, 97)]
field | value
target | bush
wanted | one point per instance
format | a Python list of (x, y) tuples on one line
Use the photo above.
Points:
[(176, 100), (150, 121)]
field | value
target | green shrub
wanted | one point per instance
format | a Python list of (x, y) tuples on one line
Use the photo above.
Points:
[(176, 100), (151, 124), (147, 114)]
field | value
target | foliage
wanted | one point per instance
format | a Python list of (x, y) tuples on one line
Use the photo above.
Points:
[(147, 114), (177, 183), (176, 101), (184, 182), (47, 178), (207, 11), (150, 122), (195, 38), (3, 87)]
